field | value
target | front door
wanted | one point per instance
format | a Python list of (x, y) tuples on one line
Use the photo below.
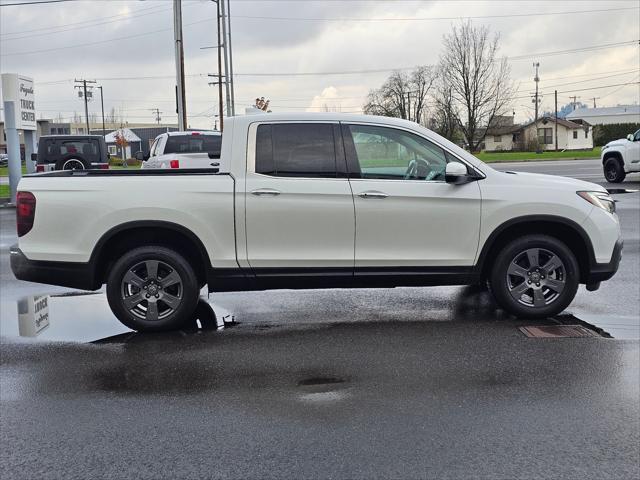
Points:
[(407, 216), (299, 207)]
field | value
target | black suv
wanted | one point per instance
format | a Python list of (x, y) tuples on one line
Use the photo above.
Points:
[(71, 152)]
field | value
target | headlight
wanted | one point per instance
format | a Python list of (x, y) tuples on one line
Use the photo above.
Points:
[(600, 199)]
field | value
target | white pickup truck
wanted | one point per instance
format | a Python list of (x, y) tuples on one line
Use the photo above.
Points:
[(192, 149), (620, 157), (315, 201)]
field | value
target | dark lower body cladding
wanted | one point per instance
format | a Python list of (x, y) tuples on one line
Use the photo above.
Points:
[(64, 274), (84, 275)]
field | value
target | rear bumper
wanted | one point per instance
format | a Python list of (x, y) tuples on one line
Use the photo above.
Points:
[(599, 272), (64, 274)]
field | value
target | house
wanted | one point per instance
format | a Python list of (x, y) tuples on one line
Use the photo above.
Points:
[(540, 134), (133, 141), (607, 115)]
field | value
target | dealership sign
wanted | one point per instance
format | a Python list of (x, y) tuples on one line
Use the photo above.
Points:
[(19, 90)]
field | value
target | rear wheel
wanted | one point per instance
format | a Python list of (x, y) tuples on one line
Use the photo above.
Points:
[(152, 288), (613, 170), (535, 276)]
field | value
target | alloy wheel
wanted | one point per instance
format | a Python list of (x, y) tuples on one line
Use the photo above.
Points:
[(536, 277), (151, 290)]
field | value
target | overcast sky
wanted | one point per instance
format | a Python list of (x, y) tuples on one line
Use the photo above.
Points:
[(115, 41)]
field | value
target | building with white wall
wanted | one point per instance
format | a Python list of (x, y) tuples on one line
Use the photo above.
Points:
[(571, 136), (607, 115)]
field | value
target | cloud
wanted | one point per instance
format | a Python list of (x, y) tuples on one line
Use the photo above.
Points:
[(288, 46)]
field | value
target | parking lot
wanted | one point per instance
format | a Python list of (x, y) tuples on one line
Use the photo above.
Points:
[(402, 383)]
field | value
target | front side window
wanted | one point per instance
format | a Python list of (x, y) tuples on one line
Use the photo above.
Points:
[(152, 151), (296, 150), (388, 153)]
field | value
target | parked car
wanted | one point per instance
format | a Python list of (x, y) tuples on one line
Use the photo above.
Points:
[(620, 157), (316, 201), (71, 152), (4, 159), (183, 150)]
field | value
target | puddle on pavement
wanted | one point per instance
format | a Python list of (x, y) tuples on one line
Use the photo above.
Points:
[(322, 389), (83, 317), (617, 191), (620, 327)]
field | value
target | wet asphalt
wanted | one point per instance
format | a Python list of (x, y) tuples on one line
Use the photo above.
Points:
[(393, 383)]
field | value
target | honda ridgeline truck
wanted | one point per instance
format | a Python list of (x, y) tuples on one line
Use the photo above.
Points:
[(315, 201)]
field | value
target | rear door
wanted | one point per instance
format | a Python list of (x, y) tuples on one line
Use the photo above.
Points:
[(407, 216), (299, 206)]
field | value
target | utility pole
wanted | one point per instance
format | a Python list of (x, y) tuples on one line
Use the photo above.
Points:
[(230, 71), (227, 86), (104, 133), (536, 100), (594, 101), (180, 89), (555, 93), (157, 112), (84, 93), (574, 101)]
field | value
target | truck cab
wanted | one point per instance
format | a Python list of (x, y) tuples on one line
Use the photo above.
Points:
[(192, 149)]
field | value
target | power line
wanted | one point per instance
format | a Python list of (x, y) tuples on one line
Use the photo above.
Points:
[(64, 28), (126, 15), (34, 2), (408, 19)]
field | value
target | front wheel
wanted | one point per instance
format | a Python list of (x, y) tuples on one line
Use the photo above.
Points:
[(613, 170), (152, 288), (535, 276)]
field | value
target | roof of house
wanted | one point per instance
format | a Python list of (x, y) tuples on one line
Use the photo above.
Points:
[(128, 135), (605, 111)]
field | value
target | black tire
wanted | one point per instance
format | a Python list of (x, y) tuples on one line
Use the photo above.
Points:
[(171, 302), (613, 170), (545, 292), (72, 163)]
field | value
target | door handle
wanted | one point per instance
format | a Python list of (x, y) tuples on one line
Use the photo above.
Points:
[(265, 191), (373, 194)]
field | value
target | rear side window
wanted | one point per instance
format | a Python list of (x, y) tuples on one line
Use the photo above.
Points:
[(193, 144), (296, 150)]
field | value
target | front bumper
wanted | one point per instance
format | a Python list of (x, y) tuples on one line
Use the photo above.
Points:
[(64, 274), (599, 272)]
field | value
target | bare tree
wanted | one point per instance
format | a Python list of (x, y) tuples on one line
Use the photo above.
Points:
[(480, 82), (402, 95), (445, 116)]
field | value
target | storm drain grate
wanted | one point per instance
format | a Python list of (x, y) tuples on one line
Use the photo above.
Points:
[(558, 331)]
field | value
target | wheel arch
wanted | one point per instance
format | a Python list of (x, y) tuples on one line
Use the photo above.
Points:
[(563, 229), (149, 232), (613, 154)]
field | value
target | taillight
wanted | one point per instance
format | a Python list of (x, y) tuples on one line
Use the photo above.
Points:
[(25, 212), (103, 166), (174, 163), (40, 168)]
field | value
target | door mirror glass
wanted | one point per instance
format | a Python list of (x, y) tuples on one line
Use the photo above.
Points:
[(630, 137), (140, 156), (34, 157)]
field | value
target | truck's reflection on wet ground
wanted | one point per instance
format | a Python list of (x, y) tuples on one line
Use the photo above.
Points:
[(86, 317)]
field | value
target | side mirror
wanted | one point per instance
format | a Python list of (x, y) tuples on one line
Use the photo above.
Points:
[(630, 137), (140, 156), (456, 172), (34, 157)]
